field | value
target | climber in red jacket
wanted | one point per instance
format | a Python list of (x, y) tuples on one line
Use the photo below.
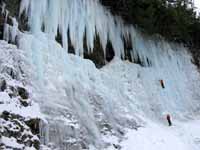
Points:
[(169, 120), (162, 84)]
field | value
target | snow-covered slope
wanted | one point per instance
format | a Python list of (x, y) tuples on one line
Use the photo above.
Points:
[(182, 136), (19, 114)]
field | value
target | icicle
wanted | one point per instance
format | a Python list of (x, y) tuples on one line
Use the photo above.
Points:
[(3, 8), (14, 29), (88, 18), (79, 16), (10, 32), (24, 7), (6, 16), (6, 34)]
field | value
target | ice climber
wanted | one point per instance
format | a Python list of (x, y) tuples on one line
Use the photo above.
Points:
[(162, 84), (169, 120)]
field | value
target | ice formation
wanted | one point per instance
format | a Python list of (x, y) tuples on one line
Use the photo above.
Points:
[(80, 101), (79, 17), (89, 17)]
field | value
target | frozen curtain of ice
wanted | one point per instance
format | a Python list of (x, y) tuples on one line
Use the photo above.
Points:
[(80, 17), (76, 97)]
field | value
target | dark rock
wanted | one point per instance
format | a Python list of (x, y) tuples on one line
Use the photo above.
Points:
[(36, 144), (10, 71), (15, 126), (121, 132), (97, 55), (24, 102), (23, 93), (116, 146), (107, 127), (34, 125), (13, 92), (1, 31), (3, 85), (5, 115), (1, 25), (83, 145), (11, 95), (109, 52), (13, 6)]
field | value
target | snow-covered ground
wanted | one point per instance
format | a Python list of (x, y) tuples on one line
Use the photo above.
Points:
[(180, 136)]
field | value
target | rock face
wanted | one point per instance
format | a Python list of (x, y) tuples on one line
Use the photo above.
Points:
[(19, 124), (23, 93), (24, 131), (14, 126), (13, 7), (3, 85), (2, 20)]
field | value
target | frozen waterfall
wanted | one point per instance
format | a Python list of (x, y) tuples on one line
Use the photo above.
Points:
[(77, 16), (85, 18), (83, 104)]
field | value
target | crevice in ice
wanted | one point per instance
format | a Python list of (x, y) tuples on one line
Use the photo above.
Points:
[(128, 48), (97, 53), (110, 54), (71, 48)]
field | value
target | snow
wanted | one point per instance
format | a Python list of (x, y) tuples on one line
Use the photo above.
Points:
[(13, 58), (13, 75), (14, 107), (181, 136), (11, 141)]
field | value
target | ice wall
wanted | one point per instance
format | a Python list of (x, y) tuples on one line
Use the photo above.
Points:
[(80, 101), (88, 18), (80, 17)]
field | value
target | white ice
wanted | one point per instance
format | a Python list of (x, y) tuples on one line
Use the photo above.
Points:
[(124, 90), (121, 90)]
